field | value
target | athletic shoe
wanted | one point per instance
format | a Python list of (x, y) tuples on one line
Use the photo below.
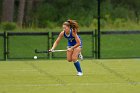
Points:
[(80, 56), (79, 74)]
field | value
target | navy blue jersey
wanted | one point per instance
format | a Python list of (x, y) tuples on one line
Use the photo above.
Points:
[(71, 39)]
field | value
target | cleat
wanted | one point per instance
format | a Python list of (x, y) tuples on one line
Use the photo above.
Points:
[(79, 74), (80, 56)]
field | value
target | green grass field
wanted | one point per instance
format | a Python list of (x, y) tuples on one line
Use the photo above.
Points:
[(59, 76)]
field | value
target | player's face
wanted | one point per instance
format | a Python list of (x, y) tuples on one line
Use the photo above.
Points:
[(66, 28)]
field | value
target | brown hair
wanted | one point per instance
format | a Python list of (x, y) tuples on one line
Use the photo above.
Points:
[(72, 24)]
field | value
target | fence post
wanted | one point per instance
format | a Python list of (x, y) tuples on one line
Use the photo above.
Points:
[(99, 29), (96, 44), (5, 45), (50, 44)]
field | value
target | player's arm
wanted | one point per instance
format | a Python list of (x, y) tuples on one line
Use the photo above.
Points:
[(57, 40), (78, 42)]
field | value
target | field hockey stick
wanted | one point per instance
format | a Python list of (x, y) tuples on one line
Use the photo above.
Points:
[(47, 51)]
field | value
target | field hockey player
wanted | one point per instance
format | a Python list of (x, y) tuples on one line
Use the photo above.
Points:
[(70, 29)]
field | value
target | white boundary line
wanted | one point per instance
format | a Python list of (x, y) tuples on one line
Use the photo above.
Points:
[(21, 70), (70, 84)]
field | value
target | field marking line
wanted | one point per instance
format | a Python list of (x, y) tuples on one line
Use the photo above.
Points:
[(69, 84), (116, 73), (20, 70)]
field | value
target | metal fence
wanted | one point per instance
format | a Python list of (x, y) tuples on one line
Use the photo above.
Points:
[(21, 45), (114, 44), (2, 46), (120, 44)]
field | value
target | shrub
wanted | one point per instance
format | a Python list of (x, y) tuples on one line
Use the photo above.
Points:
[(119, 22), (8, 26)]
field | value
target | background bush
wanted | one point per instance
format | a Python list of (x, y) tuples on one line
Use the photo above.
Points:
[(8, 26)]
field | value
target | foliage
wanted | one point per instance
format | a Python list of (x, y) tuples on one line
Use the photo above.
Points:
[(8, 26), (52, 13), (84, 11)]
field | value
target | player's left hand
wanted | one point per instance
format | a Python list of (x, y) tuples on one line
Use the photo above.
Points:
[(51, 50)]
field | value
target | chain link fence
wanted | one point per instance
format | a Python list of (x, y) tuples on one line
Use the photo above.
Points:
[(22, 45)]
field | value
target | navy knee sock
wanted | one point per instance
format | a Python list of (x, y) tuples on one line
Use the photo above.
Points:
[(77, 66)]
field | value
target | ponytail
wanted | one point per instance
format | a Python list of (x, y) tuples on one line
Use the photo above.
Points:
[(72, 24)]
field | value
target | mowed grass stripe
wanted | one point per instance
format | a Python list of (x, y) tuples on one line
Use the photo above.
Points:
[(60, 76)]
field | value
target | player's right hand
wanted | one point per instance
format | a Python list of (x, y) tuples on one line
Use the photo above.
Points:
[(70, 49)]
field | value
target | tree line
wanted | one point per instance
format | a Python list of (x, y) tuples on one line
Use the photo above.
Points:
[(47, 13)]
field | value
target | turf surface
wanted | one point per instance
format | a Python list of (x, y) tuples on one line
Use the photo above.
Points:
[(59, 76)]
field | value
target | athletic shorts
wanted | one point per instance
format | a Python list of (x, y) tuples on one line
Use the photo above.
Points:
[(72, 46)]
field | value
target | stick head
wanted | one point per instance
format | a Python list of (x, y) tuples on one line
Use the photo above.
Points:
[(36, 51)]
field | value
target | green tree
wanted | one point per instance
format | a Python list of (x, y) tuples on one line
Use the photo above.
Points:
[(132, 5)]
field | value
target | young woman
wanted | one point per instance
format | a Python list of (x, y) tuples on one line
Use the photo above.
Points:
[(70, 29)]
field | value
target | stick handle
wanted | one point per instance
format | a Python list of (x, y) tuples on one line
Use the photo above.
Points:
[(47, 51), (59, 50)]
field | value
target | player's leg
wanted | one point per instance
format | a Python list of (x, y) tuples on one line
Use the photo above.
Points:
[(75, 54), (76, 62), (69, 56)]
